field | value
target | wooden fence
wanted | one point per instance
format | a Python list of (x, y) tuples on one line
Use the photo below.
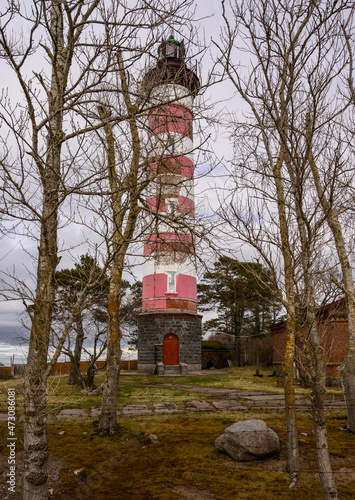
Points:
[(8, 372), (5, 372), (63, 368)]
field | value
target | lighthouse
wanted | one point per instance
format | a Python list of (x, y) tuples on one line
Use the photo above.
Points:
[(169, 332)]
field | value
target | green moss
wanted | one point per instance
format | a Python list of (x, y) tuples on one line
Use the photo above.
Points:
[(118, 466), (185, 455), (128, 466)]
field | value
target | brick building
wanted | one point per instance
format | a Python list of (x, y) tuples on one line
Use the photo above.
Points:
[(217, 355), (333, 331)]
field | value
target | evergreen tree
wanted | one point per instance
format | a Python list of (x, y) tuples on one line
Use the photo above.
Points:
[(69, 283), (242, 294), (91, 318)]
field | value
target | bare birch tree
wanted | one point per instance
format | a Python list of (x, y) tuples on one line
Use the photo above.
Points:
[(124, 192), (295, 57), (36, 128), (62, 63)]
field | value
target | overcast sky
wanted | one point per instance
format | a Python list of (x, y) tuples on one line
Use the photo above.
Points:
[(15, 251)]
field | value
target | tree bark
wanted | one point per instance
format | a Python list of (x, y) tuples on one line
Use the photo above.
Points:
[(293, 460), (314, 359), (108, 418), (35, 475), (74, 372), (324, 466), (347, 370), (121, 239)]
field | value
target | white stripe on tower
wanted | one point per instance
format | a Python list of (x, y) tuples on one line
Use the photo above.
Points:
[(169, 272)]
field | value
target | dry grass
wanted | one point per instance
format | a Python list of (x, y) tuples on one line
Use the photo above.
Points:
[(184, 464), (141, 389), (236, 378)]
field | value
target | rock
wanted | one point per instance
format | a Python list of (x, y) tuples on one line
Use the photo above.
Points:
[(95, 411), (80, 472), (248, 440), (144, 438), (228, 405), (72, 413), (136, 409), (153, 438), (166, 407), (199, 406)]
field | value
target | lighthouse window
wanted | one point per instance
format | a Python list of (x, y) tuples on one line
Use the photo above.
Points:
[(171, 205), (171, 281), (170, 49), (171, 145)]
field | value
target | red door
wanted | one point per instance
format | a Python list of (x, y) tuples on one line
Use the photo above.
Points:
[(171, 350)]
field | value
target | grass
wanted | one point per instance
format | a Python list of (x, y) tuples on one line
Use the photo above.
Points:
[(184, 463), (128, 466), (237, 378), (144, 389)]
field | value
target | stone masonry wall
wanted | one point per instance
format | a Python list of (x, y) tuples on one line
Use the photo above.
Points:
[(151, 332)]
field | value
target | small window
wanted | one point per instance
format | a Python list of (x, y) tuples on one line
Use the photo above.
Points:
[(171, 205), (171, 145), (171, 281)]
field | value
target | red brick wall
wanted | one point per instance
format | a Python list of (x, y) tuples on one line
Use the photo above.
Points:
[(278, 347), (333, 332)]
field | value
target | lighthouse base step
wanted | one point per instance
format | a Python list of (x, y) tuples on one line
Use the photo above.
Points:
[(171, 370)]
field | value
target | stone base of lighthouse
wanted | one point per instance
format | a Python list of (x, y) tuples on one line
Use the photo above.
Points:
[(169, 342)]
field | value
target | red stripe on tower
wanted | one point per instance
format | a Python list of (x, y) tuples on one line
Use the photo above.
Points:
[(169, 300), (170, 255)]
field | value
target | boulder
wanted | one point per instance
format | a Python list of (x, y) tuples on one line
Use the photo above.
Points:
[(248, 440)]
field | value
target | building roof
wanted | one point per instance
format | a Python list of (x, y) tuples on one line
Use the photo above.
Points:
[(322, 312)]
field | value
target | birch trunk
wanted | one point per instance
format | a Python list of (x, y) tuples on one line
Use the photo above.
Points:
[(293, 460), (35, 395), (121, 239), (35, 486), (315, 361), (108, 418), (347, 371), (74, 372), (325, 472)]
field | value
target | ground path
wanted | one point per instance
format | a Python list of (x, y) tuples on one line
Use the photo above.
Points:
[(219, 399)]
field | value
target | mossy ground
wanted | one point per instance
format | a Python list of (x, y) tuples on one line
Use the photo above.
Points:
[(128, 466), (184, 464), (141, 389)]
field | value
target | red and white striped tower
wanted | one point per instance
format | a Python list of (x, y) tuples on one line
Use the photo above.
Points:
[(170, 329)]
